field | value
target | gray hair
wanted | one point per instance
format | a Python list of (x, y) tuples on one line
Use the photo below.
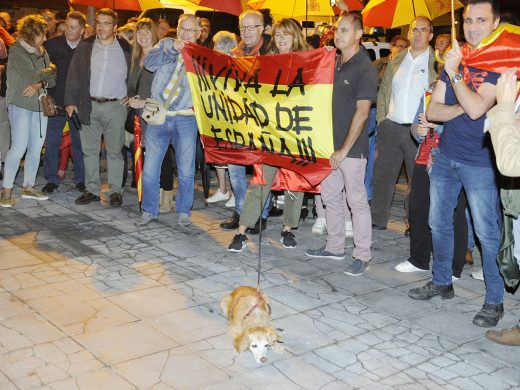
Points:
[(224, 41), (184, 17)]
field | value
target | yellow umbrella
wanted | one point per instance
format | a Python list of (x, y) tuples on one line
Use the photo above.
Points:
[(396, 13), (297, 9)]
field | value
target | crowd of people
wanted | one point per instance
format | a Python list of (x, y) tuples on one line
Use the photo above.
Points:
[(451, 163)]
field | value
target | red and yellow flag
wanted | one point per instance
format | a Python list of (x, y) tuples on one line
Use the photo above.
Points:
[(138, 158), (496, 53), (272, 110)]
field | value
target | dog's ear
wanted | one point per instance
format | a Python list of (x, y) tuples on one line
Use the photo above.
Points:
[(242, 342), (275, 340), (224, 305)]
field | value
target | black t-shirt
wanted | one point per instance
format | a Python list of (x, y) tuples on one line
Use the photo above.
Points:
[(354, 80)]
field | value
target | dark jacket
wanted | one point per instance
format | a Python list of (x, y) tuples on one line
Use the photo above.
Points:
[(60, 54), (77, 86)]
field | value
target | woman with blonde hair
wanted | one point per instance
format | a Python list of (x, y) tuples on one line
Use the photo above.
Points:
[(287, 37), (29, 71)]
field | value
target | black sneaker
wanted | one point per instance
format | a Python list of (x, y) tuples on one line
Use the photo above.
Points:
[(256, 228), (239, 242), (81, 187), (430, 290), (489, 315), (49, 188), (288, 240)]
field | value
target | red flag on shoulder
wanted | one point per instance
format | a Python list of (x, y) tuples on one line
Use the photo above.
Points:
[(496, 53)]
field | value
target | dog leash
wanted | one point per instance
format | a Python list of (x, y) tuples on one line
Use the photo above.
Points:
[(259, 265)]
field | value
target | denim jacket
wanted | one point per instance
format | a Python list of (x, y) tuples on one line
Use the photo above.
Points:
[(162, 60)]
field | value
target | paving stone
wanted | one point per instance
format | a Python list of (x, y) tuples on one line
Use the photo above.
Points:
[(89, 301)]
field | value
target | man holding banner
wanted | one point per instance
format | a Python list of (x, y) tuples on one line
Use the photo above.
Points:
[(254, 43), (355, 88), (179, 128)]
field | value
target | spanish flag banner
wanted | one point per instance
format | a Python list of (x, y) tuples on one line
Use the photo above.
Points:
[(273, 110), (496, 53)]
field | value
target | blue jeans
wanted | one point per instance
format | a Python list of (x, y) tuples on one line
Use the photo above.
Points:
[(447, 179), (181, 132), (516, 235), (471, 231), (52, 151), (27, 134), (237, 177), (372, 132)]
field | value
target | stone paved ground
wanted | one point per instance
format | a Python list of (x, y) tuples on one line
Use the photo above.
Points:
[(88, 301)]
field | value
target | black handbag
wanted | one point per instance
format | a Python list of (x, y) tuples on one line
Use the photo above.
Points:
[(129, 121)]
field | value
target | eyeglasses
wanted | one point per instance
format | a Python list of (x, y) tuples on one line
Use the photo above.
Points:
[(249, 28), (188, 30)]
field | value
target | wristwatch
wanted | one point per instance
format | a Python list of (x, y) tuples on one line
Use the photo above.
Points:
[(456, 78)]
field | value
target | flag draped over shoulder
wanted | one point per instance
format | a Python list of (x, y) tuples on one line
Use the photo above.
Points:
[(273, 110), (496, 53)]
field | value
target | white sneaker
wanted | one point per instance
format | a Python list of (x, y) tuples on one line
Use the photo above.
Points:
[(406, 266), (349, 231), (454, 278), (320, 226), (479, 275), (218, 196), (231, 201)]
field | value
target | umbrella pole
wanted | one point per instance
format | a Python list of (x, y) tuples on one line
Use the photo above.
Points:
[(413, 7), (306, 16), (453, 34)]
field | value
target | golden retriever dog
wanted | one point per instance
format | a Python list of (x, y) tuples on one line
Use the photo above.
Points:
[(249, 322)]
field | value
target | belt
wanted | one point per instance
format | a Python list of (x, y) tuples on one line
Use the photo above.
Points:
[(103, 100)]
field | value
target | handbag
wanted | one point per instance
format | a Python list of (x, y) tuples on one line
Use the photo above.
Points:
[(129, 121), (49, 107), (154, 113), (506, 260)]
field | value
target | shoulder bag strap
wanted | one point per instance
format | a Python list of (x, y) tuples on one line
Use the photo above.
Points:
[(169, 100)]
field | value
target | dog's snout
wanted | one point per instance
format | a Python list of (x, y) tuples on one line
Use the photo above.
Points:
[(263, 360)]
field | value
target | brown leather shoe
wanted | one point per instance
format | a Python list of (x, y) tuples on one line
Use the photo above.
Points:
[(469, 257), (116, 199), (87, 198), (505, 336)]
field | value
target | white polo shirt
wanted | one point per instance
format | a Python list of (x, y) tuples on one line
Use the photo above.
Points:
[(408, 86)]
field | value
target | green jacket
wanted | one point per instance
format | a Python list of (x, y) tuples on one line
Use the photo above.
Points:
[(385, 89), (24, 68)]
